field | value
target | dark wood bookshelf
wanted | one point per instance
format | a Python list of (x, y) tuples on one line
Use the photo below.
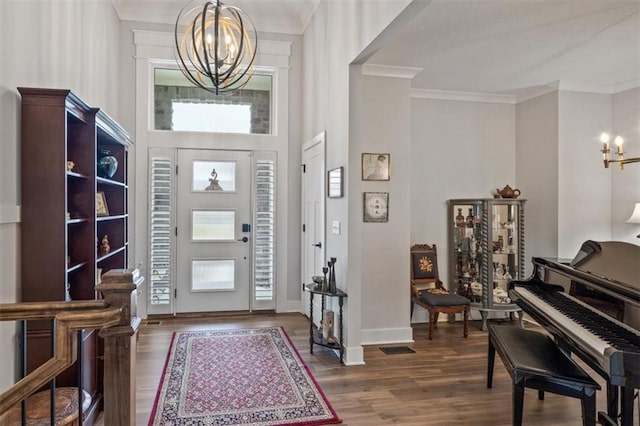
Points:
[(60, 229)]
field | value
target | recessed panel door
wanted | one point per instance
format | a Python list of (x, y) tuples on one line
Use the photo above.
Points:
[(213, 231), (313, 208)]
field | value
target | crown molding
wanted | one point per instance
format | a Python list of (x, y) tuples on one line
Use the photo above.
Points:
[(306, 18), (537, 91), (632, 84), (117, 6), (167, 39), (572, 86), (522, 95), (268, 27), (389, 71), (449, 95), (635, 84)]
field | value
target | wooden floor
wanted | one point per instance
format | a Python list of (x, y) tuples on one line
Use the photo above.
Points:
[(443, 383)]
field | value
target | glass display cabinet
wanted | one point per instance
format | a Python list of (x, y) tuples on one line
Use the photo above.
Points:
[(486, 251)]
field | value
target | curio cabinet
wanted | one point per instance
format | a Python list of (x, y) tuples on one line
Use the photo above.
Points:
[(486, 251)]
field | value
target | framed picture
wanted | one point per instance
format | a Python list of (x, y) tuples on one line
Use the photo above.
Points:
[(376, 166), (375, 207), (101, 204), (334, 182)]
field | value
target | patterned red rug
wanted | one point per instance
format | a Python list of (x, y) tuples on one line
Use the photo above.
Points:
[(238, 377)]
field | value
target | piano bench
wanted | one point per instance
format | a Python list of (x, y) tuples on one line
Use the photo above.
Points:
[(534, 361)]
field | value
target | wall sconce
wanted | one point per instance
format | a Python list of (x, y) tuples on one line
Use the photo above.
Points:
[(618, 141), (217, 47), (635, 216)]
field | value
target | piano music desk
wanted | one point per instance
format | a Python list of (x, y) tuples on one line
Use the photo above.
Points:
[(534, 361)]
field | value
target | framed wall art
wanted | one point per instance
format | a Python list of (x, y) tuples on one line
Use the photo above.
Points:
[(375, 206), (101, 204), (376, 166), (334, 182)]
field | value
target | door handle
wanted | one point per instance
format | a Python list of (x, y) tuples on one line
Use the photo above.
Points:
[(244, 239), (319, 245)]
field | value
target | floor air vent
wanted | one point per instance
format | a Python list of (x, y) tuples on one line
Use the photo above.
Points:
[(393, 350)]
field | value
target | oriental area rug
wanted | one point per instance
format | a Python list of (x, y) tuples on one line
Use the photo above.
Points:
[(238, 377)]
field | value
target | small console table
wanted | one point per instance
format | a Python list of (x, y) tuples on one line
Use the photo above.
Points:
[(315, 335)]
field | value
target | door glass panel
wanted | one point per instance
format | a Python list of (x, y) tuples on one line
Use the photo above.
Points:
[(214, 176), (207, 275), (209, 225)]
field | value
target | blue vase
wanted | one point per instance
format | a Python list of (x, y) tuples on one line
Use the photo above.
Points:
[(107, 164)]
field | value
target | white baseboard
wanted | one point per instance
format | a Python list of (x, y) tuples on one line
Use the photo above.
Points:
[(9, 214), (354, 355), (290, 306), (387, 336)]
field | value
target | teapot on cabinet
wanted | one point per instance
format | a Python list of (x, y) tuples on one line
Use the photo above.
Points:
[(508, 192)]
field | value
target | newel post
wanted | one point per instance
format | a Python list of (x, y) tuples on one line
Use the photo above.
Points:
[(119, 287)]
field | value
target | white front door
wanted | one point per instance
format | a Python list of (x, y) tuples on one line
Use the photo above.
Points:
[(313, 187), (213, 231)]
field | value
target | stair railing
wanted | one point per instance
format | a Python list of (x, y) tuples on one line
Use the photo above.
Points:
[(115, 317)]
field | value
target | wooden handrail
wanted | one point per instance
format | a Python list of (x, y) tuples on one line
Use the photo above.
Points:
[(45, 310), (70, 317)]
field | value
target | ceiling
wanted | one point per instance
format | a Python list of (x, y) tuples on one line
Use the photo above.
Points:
[(510, 46), (479, 46), (278, 16)]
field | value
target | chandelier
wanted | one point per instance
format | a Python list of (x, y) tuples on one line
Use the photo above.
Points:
[(618, 141), (217, 47)]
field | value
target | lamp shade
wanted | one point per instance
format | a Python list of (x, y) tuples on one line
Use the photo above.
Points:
[(635, 216)]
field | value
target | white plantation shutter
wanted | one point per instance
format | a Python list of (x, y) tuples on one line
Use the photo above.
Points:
[(264, 231), (160, 252)]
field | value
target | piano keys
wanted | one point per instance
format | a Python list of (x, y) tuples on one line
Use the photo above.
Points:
[(614, 346), (609, 346)]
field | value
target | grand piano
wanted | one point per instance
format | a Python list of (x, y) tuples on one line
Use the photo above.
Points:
[(601, 274)]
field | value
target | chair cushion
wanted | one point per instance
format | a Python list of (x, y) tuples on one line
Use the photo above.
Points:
[(424, 266), (443, 299)]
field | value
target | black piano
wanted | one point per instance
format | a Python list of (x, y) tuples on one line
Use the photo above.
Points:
[(601, 274)]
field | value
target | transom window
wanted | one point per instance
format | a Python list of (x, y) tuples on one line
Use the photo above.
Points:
[(179, 105)]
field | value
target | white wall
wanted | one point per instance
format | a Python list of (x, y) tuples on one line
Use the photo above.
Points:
[(380, 123), (336, 34), (572, 197), (584, 185), (46, 43), (537, 173), (626, 183), (594, 202), (459, 149)]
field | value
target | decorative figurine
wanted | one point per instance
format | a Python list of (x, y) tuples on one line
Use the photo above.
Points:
[(332, 276), (67, 293), (327, 332), (105, 248), (107, 164), (325, 283), (214, 185)]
